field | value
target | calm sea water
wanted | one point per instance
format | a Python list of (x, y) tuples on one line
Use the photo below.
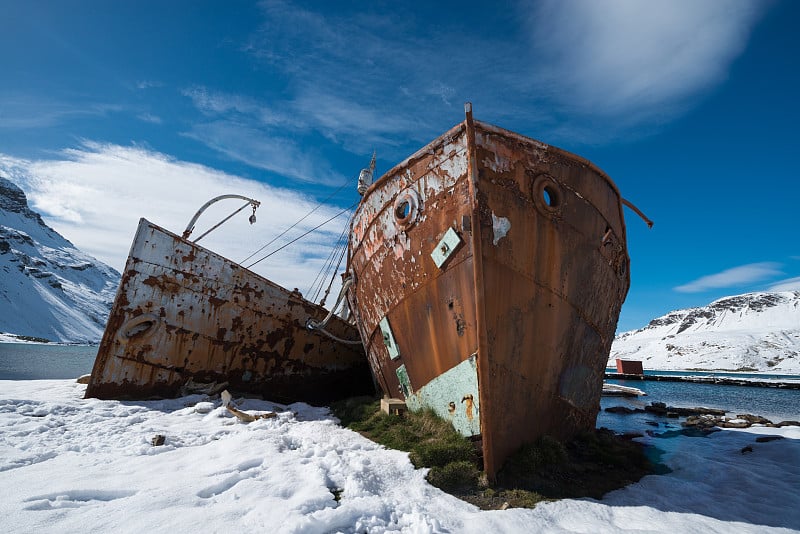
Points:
[(27, 361), (20, 361)]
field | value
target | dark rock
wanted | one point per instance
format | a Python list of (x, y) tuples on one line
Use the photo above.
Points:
[(158, 439), (788, 423), (765, 439), (657, 408), (13, 199), (623, 409), (754, 419), (747, 449), (692, 432), (733, 423), (701, 421)]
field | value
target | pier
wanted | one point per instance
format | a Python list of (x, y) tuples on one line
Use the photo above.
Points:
[(716, 380)]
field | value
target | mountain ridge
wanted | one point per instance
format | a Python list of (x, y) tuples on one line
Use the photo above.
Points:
[(48, 288), (757, 331)]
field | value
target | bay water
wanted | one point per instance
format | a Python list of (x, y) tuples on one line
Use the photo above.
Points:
[(32, 361)]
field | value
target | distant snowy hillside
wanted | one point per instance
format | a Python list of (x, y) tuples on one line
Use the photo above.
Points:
[(48, 288), (755, 331)]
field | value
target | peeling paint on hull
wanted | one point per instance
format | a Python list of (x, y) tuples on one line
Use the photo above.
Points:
[(183, 312), (531, 294)]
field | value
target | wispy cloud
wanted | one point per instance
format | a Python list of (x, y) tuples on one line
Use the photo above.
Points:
[(736, 276), (264, 150), (790, 284), (148, 84), (361, 78), (95, 194), (626, 62), (275, 137), (216, 103), (24, 112), (637, 59), (149, 117)]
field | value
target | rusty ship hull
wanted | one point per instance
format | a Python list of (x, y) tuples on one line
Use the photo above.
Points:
[(184, 313), (488, 272)]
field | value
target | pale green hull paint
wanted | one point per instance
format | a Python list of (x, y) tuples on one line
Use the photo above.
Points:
[(456, 388)]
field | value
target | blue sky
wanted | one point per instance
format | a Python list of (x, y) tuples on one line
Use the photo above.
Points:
[(114, 110)]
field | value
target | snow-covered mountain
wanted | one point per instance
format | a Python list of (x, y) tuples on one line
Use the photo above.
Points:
[(48, 288), (754, 331)]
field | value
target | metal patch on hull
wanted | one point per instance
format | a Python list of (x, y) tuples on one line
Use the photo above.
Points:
[(453, 395)]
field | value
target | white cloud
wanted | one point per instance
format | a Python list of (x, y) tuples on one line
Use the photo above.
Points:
[(366, 79), (790, 284), (736, 276), (357, 126), (149, 117), (26, 112), (265, 150), (148, 84), (628, 57), (215, 103), (94, 196)]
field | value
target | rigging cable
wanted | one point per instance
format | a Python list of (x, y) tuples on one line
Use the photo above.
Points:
[(319, 280), (333, 274), (301, 236), (298, 222)]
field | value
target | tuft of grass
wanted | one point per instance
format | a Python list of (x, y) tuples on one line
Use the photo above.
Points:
[(354, 409), (590, 465), (455, 476), (542, 454)]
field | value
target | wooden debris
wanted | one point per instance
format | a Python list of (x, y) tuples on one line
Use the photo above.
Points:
[(227, 402)]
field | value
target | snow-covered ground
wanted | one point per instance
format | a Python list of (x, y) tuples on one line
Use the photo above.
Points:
[(74, 465), (13, 338)]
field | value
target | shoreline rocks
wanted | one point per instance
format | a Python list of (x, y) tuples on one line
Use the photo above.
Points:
[(701, 418)]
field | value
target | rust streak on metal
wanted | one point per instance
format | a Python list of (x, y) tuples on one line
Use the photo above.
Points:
[(468, 406), (183, 312)]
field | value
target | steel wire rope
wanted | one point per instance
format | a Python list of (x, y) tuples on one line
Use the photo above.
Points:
[(342, 250), (297, 222), (319, 280), (301, 236)]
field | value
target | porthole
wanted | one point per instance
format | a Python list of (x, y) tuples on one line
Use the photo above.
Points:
[(547, 195), (406, 208), (137, 326)]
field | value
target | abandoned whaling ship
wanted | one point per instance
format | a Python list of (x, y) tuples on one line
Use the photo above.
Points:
[(486, 274), (185, 315)]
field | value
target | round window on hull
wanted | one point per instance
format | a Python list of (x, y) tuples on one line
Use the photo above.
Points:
[(406, 208), (548, 195), (138, 326)]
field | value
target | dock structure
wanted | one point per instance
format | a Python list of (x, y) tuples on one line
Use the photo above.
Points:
[(717, 380)]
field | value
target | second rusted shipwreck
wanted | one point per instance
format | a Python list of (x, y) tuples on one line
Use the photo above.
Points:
[(487, 273), (186, 315)]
